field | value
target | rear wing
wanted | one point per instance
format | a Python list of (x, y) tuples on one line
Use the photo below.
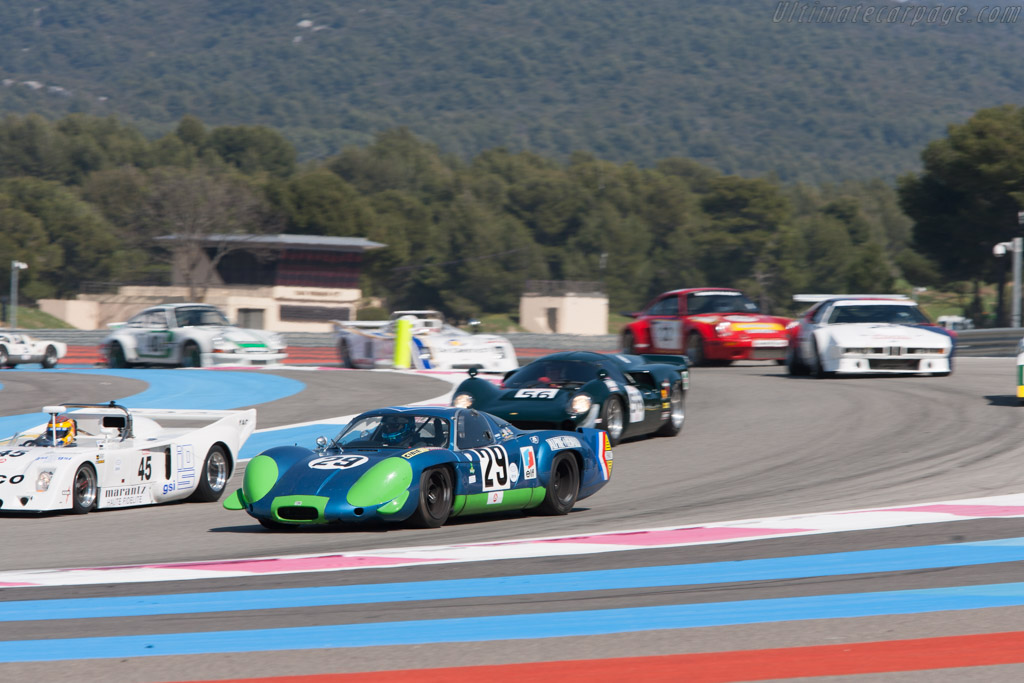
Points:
[(667, 359), (357, 325)]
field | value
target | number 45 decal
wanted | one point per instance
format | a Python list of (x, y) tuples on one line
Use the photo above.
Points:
[(146, 467)]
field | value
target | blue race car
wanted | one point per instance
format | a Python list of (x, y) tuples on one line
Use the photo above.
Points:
[(424, 465), (623, 394)]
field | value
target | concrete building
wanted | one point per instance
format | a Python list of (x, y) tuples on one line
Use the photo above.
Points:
[(564, 307), (285, 283)]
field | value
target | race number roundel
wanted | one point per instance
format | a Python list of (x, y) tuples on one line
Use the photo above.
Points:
[(337, 462)]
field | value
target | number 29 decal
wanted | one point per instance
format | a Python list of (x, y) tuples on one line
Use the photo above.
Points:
[(494, 463)]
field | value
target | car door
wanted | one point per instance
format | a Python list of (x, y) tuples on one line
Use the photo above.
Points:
[(155, 340), (805, 333), (665, 325), (498, 463)]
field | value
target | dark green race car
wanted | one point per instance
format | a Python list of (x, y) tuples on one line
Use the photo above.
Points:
[(625, 395)]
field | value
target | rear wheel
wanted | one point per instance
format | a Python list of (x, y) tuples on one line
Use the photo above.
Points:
[(677, 412), (84, 490), (115, 356), (628, 343), (695, 348), (436, 496), (796, 365), (613, 419), (49, 357), (563, 486), (345, 354), (214, 477), (4, 357)]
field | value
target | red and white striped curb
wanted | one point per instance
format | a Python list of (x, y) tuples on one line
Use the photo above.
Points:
[(616, 541)]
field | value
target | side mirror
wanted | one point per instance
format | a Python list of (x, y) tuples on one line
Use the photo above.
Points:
[(474, 325), (471, 372), (601, 373), (321, 442)]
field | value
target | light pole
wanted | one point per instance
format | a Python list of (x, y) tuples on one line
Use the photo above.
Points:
[(1016, 246), (15, 267)]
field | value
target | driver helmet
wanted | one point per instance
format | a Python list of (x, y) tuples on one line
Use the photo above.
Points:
[(60, 432), (395, 428)]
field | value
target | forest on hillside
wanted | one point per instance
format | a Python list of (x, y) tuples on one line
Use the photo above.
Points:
[(725, 84), (83, 199)]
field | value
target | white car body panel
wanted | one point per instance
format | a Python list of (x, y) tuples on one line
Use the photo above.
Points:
[(155, 336), (157, 464), (875, 347), (436, 345), (18, 348)]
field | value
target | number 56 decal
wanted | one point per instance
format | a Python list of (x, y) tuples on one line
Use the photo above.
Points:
[(537, 393)]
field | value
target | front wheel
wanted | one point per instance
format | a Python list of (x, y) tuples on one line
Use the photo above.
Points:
[(677, 413), (436, 496), (563, 486), (345, 354), (49, 357), (5, 357), (84, 490), (613, 420), (819, 368), (796, 366), (191, 356), (214, 477)]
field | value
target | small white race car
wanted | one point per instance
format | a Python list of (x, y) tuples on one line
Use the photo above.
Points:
[(89, 456), (188, 335), (436, 345), (17, 348), (868, 334)]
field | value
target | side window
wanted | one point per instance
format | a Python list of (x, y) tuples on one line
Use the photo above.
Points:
[(473, 430), (817, 317), (667, 306)]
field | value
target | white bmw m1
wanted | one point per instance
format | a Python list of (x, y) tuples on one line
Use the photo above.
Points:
[(95, 456), (876, 334)]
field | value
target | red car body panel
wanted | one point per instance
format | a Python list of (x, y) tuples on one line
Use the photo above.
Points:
[(725, 322)]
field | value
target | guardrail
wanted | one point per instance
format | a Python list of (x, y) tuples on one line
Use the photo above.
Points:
[(988, 342)]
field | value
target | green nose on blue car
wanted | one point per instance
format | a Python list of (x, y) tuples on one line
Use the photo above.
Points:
[(423, 466)]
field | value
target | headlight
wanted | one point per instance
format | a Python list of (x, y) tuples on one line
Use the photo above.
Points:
[(43, 481), (580, 403), (220, 345), (723, 328), (462, 400)]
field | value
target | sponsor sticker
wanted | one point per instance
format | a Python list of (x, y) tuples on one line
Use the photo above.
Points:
[(529, 462), (417, 451), (559, 442), (611, 384), (124, 496), (513, 472), (495, 497), (636, 404)]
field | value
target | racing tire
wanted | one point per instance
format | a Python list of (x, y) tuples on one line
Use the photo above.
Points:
[(115, 356), (613, 419), (276, 526), (947, 373), (628, 343), (345, 354), (436, 497), (795, 365), (819, 370), (84, 490), (563, 486), (49, 357), (695, 349), (191, 357), (213, 478), (5, 357), (677, 412)]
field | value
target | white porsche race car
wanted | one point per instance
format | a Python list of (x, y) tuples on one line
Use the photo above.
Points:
[(17, 348), (90, 456), (876, 334), (436, 345), (188, 335)]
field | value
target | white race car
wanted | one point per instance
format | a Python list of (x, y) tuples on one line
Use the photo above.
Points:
[(17, 348), (188, 335), (869, 334), (109, 456), (436, 345)]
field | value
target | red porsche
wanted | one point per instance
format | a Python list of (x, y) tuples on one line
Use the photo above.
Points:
[(711, 325)]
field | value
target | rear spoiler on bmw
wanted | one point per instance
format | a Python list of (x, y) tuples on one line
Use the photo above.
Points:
[(814, 298)]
